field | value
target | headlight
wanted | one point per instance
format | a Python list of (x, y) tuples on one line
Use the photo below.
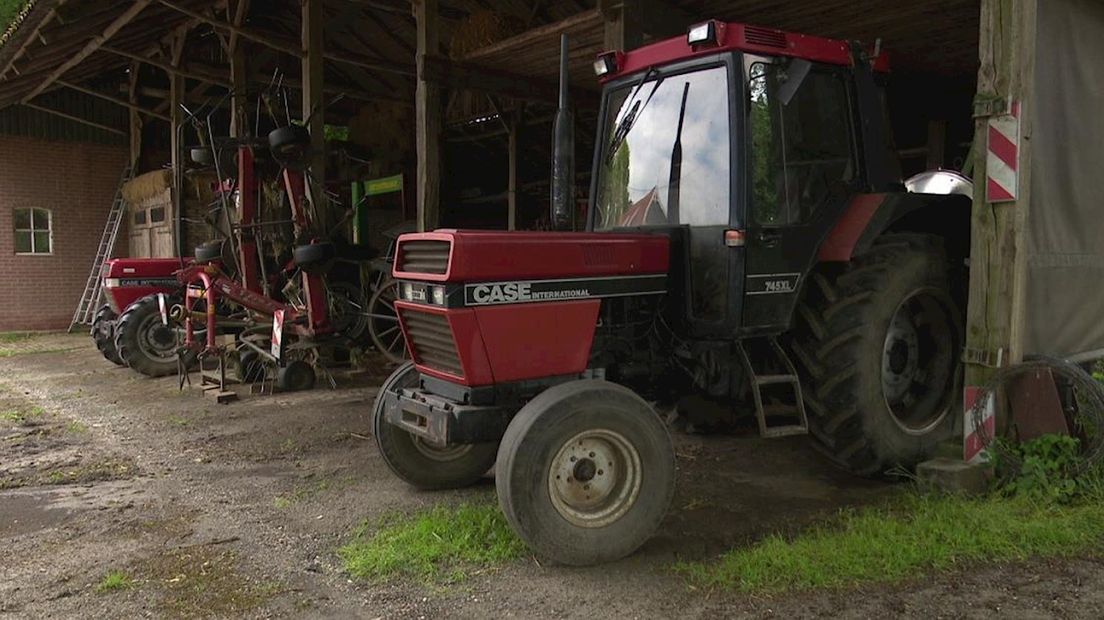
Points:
[(439, 295), (408, 291), (701, 34), (606, 64)]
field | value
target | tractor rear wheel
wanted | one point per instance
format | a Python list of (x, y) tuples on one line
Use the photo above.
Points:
[(421, 464), (878, 344), (585, 472), (144, 341), (103, 334)]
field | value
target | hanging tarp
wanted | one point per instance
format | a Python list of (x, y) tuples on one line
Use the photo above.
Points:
[(1064, 312)]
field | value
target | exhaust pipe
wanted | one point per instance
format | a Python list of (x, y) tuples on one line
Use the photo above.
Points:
[(563, 154)]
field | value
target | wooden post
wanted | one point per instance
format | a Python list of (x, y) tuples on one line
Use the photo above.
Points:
[(427, 103), (176, 95), (313, 107), (624, 28), (937, 144), (998, 252), (511, 212), (135, 117), (239, 79)]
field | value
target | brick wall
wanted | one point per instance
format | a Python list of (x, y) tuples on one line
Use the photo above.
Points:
[(77, 182)]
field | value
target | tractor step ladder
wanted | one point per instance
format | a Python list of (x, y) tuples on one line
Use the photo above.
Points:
[(93, 288), (757, 382)]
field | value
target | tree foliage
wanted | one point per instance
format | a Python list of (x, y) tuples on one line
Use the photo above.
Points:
[(9, 9)]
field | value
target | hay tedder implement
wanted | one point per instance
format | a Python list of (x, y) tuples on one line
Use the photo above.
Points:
[(274, 298)]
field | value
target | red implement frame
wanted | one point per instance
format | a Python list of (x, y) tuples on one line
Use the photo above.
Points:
[(210, 283)]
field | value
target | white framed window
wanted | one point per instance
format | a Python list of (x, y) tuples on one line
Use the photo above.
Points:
[(33, 231)]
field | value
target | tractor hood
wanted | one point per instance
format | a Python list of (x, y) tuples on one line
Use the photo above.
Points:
[(143, 268), (482, 308), (468, 255)]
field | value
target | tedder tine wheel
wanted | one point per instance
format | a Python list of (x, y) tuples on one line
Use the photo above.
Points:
[(585, 472), (383, 322), (418, 463)]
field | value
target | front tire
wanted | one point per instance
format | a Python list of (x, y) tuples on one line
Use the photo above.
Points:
[(878, 344), (144, 342), (103, 334), (418, 463), (585, 473)]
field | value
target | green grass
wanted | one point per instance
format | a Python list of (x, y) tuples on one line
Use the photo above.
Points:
[(917, 536), (21, 415), (442, 544), (113, 581), (14, 337)]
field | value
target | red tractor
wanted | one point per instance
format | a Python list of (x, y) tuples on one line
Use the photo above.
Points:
[(749, 240), (130, 329)]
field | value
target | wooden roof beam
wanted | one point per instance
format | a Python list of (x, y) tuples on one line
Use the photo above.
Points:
[(109, 98), (90, 47), (27, 42), (77, 119), (287, 47)]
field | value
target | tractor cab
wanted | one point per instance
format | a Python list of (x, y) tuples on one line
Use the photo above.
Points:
[(748, 142)]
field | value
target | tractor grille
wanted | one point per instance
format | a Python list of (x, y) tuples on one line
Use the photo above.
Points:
[(431, 339), (765, 37), (424, 256)]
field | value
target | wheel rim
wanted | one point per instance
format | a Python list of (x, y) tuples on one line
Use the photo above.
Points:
[(347, 309), (441, 454), (157, 341), (595, 478), (919, 360), (383, 323)]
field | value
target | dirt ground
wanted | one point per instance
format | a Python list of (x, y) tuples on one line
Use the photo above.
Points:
[(236, 511)]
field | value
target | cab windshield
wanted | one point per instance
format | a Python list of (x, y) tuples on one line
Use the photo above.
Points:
[(641, 138)]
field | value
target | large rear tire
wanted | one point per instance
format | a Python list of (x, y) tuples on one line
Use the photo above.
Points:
[(103, 334), (144, 342), (418, 463), (585, 473), (878, 344)]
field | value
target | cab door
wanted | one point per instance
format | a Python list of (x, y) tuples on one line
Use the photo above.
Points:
[(801, 170)]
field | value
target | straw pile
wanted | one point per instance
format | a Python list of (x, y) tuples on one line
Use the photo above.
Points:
[(146, 186)]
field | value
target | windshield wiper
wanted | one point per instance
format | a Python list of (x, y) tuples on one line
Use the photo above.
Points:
[(629, 119), (675, 179)]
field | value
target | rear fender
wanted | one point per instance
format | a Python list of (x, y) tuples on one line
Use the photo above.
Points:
[(869, 215)]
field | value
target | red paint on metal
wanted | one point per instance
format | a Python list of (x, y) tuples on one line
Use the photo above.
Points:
[(530, 341), (840, 243), (493, 255), (140, 269), (466, 337), (996, 193), (1003, 148), (972, 444), (743, 38)]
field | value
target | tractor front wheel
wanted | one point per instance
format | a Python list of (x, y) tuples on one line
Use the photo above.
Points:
[(878, 343), (103, 334), (145, 342), (585, 472), (421, 464)]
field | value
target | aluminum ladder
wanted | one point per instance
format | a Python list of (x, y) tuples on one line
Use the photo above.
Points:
[(93, 288)]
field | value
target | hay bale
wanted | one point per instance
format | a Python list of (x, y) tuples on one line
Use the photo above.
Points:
[(476, 31), (480, 29), (146, 186)]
